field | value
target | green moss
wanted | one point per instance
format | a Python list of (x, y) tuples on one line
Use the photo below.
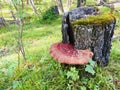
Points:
[(96, 20)]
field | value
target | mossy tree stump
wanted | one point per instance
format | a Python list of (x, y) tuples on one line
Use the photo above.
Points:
[(86, 28)]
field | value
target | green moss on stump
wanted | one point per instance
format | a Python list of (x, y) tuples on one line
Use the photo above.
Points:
[(96, 20)]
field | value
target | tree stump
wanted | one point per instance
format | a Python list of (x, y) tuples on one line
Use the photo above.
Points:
[(87, 28)]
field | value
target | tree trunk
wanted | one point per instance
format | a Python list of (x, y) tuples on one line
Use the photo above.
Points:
[(96, 35), (33, 6), (81, 3), (69, 2), (27, 1), (60, 6)]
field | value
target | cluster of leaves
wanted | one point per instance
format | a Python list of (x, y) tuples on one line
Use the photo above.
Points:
[(90, 66), (73, 74), (92, 79)]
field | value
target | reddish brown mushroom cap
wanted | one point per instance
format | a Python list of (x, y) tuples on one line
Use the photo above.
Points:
[(65, 53)]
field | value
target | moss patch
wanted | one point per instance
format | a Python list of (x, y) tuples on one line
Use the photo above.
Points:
[(97, 20)]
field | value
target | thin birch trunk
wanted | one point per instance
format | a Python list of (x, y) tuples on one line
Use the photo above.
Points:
[(60, 6)]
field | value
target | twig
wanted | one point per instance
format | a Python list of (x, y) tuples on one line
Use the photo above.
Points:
[(33, 6), (20, 23), (109, 5), (116, 37)]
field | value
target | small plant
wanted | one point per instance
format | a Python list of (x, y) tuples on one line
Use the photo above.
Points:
[(50, 15), (73, 74), (78, 78), (90, 67)]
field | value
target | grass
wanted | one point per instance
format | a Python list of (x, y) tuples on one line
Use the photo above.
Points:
[(41, 71), (37, 41)]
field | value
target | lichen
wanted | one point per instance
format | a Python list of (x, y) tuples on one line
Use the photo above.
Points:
[(95, 20)]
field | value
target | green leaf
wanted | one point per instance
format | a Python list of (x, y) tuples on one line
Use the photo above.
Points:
[(73, 69), (92, 63), (84, 80), (90, 69), (69, 87), (73, 74), (68, 74), (15, 84), (83, 88)]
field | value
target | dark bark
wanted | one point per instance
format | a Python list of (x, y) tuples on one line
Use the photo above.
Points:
[(95, 37), (79, 3), (55, 9), (2, 22), (102, 44)]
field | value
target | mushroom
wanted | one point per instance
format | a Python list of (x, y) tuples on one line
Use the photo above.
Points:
[(67, 54)]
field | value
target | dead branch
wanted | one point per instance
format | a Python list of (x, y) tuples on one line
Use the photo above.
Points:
[(20, 24), (15, 19), (109, 5), (116, 37), (2, 22), (33, 6)]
